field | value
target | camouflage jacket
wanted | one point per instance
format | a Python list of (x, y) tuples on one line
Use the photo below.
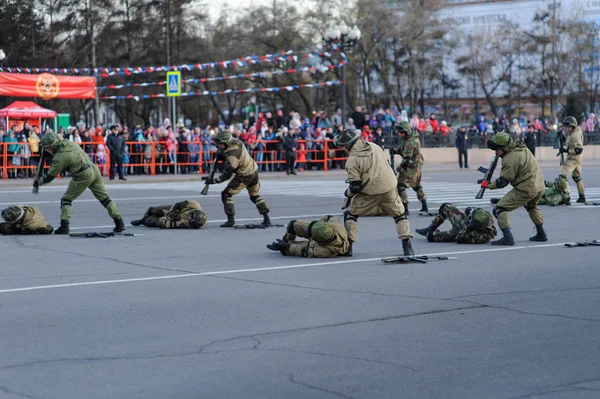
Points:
[(312, 249), (33, 221), (521, 170), (574, 140), (410, 150), (177, 217), (238, 161), (368, 164), (70, 157)]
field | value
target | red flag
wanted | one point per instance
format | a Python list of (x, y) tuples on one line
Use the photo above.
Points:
[(47, 86)]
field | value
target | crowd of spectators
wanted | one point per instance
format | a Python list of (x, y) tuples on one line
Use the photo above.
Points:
[(273, 140)]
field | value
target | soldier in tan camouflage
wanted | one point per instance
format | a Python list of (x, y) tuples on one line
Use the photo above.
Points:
[(556, 193), (372, 185), (474, 226), (182, 215), (409, 171), (240, 163), (573, 148), (22, 219), (325, 238)]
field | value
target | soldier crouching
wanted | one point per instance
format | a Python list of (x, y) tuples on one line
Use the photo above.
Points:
[(182, 215), (326, 238), (474, 226), (24, 220)]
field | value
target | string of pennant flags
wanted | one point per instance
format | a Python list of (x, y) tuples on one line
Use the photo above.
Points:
[(230, 91), (240, 62), (218, 78)]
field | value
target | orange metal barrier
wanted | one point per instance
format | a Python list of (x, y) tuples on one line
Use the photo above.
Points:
[(157, 158)]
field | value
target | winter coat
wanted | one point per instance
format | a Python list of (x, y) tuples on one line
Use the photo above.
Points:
[(521, 170), (289, 145), (238, 161), (368, 164)]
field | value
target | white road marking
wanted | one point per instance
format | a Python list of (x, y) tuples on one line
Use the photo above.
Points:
[(254, 270)]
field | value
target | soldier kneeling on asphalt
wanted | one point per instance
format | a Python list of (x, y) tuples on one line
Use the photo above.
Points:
[(182, 215), (326, 238), (474, 226), (24, 220)]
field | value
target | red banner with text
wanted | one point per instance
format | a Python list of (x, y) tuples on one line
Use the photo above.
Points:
[(47, 86)]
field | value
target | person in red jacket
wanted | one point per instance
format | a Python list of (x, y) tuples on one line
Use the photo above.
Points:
[(434, 124)]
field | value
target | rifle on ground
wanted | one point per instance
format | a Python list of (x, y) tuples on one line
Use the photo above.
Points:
[(103, 234), (211, 174), (38, 172), (414, 259), (561, 146), (489, 172), (585, 243)]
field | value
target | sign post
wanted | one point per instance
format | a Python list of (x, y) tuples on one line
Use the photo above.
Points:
[(173, 91)]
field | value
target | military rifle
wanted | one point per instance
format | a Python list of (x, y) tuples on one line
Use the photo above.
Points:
[(211, 174), (561, 146), (103, 234), (38, 172), (489, 172), (414, 258)]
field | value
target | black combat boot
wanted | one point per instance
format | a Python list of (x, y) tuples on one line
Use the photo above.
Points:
[(494, 200), (349, 251), (406, 212), (508, 238), (63, 229), (581, 199), (266, 220), (119, 225), (424, 231), (407, 247), (424, 208), (540, 235), (230, 222)]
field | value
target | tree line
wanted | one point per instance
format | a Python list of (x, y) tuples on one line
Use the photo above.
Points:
[(408, 55)]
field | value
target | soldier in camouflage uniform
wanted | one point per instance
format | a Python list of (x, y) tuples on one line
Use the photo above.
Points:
[(68, 156), (372, 185), (326, 238), (240, 163), (474, 226), (556, 193), (573, 149), (182, 215), (409, 171), (22, 219), (521, 170)]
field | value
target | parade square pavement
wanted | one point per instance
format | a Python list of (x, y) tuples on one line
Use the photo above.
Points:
[(212, 313)]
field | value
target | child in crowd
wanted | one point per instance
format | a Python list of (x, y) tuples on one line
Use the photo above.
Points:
[(125, 160), (301, 160), (101, 159)]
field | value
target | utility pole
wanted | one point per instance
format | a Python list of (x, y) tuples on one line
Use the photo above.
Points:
[(553, 71), (170, 105), (93, 40)]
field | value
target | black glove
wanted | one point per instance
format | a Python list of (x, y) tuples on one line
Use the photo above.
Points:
[(221, 155), (480, 181), (36, 184), (278, 245)]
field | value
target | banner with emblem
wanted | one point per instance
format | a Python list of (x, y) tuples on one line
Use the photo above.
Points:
[(47, 86)]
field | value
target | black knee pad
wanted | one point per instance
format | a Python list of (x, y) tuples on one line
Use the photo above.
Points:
[(105, 202), (349, 216), (224, 196), (529, 208), (290, 227), (64, 202), (417, 188), (445, 204), (498, 210), (399, 218), (254, 198), (576, 179)]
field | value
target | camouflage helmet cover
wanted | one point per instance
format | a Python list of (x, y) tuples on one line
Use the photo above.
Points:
[(321, 232), (13, 214), (403, 127), (197, 218), (346, 138), (499, 141), (569, 121), (561, 184), (51, 140), (224, 137), (478, 218)]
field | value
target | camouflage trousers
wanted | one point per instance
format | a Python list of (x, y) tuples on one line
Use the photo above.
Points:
[(410, 178), (515, 199), (153, 215), (236, 185), (572, 167), (459, 232), (92, 179)]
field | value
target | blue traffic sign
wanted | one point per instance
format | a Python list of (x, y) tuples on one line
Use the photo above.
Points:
[(173, 84)]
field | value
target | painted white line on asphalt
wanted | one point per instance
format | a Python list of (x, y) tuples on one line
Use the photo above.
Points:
[(114, 199), (260, 269), (224, 220)]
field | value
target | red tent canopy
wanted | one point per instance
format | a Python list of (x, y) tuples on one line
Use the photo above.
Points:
[(26, 110)]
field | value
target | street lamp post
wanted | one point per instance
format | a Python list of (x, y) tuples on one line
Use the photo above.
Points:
[(318, 71), (341, 38)]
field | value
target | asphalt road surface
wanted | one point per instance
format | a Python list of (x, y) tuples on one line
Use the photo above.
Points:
[(213, 314)]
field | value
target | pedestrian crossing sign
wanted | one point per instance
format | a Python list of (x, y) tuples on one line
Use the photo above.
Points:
[(173, 84)]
